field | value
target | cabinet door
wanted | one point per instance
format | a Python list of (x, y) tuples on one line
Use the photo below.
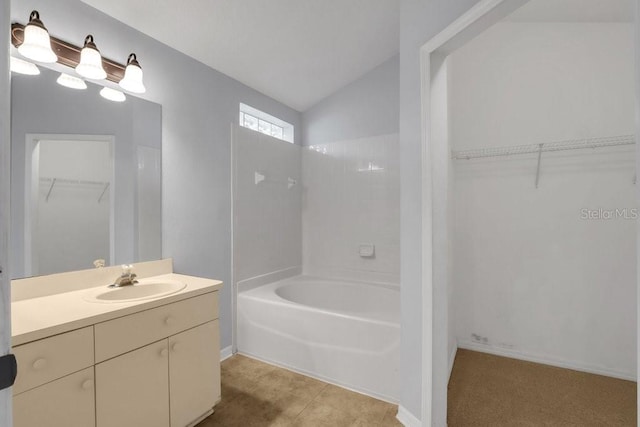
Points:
[(194, 370), (132, 390), (66, 402)]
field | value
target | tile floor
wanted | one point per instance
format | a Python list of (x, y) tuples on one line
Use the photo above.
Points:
[(255, 394)]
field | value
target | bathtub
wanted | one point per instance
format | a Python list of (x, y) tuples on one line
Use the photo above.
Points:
[(346, 333)]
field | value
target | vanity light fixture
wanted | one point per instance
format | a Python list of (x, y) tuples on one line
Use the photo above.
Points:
[(33, 41), (71, 82), (21, 66), (132, 80), (112, 94), (37, 43), (90, 65)]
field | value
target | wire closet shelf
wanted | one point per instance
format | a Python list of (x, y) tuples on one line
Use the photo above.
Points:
[(53, 181), (573, 144)]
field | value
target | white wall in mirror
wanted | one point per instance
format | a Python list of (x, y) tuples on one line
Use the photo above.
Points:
[(42, 107), (71, 209)]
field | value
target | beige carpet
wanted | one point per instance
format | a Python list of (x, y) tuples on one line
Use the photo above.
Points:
[(487, 390), (256, 394)]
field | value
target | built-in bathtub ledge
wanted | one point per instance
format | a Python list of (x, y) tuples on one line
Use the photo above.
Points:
[(406, 418), (376, 277), (263, 279)]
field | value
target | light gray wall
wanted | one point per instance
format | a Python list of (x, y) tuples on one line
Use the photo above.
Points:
[(40, 105), (5, 143), (420, 20), (198, 105), (365, 107)]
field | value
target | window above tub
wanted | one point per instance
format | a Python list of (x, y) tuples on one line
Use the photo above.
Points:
[(254, 119)]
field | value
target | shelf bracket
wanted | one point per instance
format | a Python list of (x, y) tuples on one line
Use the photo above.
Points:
[(53, 182), (539, 161), (106, 186)]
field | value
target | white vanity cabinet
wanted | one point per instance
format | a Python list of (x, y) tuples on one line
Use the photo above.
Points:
[(194, 360), (55, 383), (157, 367), (133, 389), (160, 367), (67, 402)]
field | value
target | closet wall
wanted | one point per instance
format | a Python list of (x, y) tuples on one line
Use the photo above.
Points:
[(542, 273)]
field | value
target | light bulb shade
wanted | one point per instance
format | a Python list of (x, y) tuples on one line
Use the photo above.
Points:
[(71, 82), (23, 67), (90, 65), (112, 94), (132, 80), (36, 44)]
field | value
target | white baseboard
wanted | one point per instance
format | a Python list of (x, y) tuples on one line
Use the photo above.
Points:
[(545, 360), (452, 358), (226, 353), (406, 418)]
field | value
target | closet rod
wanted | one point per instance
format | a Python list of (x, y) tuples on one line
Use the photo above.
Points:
[(573, 144), (73, 181)]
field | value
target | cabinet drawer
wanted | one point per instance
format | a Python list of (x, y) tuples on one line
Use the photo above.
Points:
[(66, 402), (40, 362), (127, 333)]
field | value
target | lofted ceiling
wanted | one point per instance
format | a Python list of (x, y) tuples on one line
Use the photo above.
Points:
[(574, 11), (295, 51)]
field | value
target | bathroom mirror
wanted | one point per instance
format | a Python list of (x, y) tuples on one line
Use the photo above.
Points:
[(85, 177)]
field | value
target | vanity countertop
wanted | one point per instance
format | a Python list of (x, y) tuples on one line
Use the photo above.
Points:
[(41, 317)]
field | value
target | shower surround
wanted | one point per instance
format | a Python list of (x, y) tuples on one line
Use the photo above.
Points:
[(352, 198), (340, 320)]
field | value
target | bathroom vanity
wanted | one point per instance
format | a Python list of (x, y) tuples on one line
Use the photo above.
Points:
[(96, 357)]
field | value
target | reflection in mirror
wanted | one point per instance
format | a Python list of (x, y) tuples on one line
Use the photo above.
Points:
[(85, 177), (70, 203)]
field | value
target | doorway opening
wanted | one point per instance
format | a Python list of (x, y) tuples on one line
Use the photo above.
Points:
[(529, 141)]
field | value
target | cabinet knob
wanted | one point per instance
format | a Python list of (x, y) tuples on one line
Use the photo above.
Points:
[(87, 384), (164, 352), (175, 346), (168, 321), (39, 363)]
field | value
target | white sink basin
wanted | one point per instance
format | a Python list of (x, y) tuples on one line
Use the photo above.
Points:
[(145, 289)]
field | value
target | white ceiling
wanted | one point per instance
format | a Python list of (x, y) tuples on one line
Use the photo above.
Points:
[(574, 11), (295, 51)]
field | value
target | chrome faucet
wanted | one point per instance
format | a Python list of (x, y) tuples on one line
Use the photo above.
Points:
[(127, 278)]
